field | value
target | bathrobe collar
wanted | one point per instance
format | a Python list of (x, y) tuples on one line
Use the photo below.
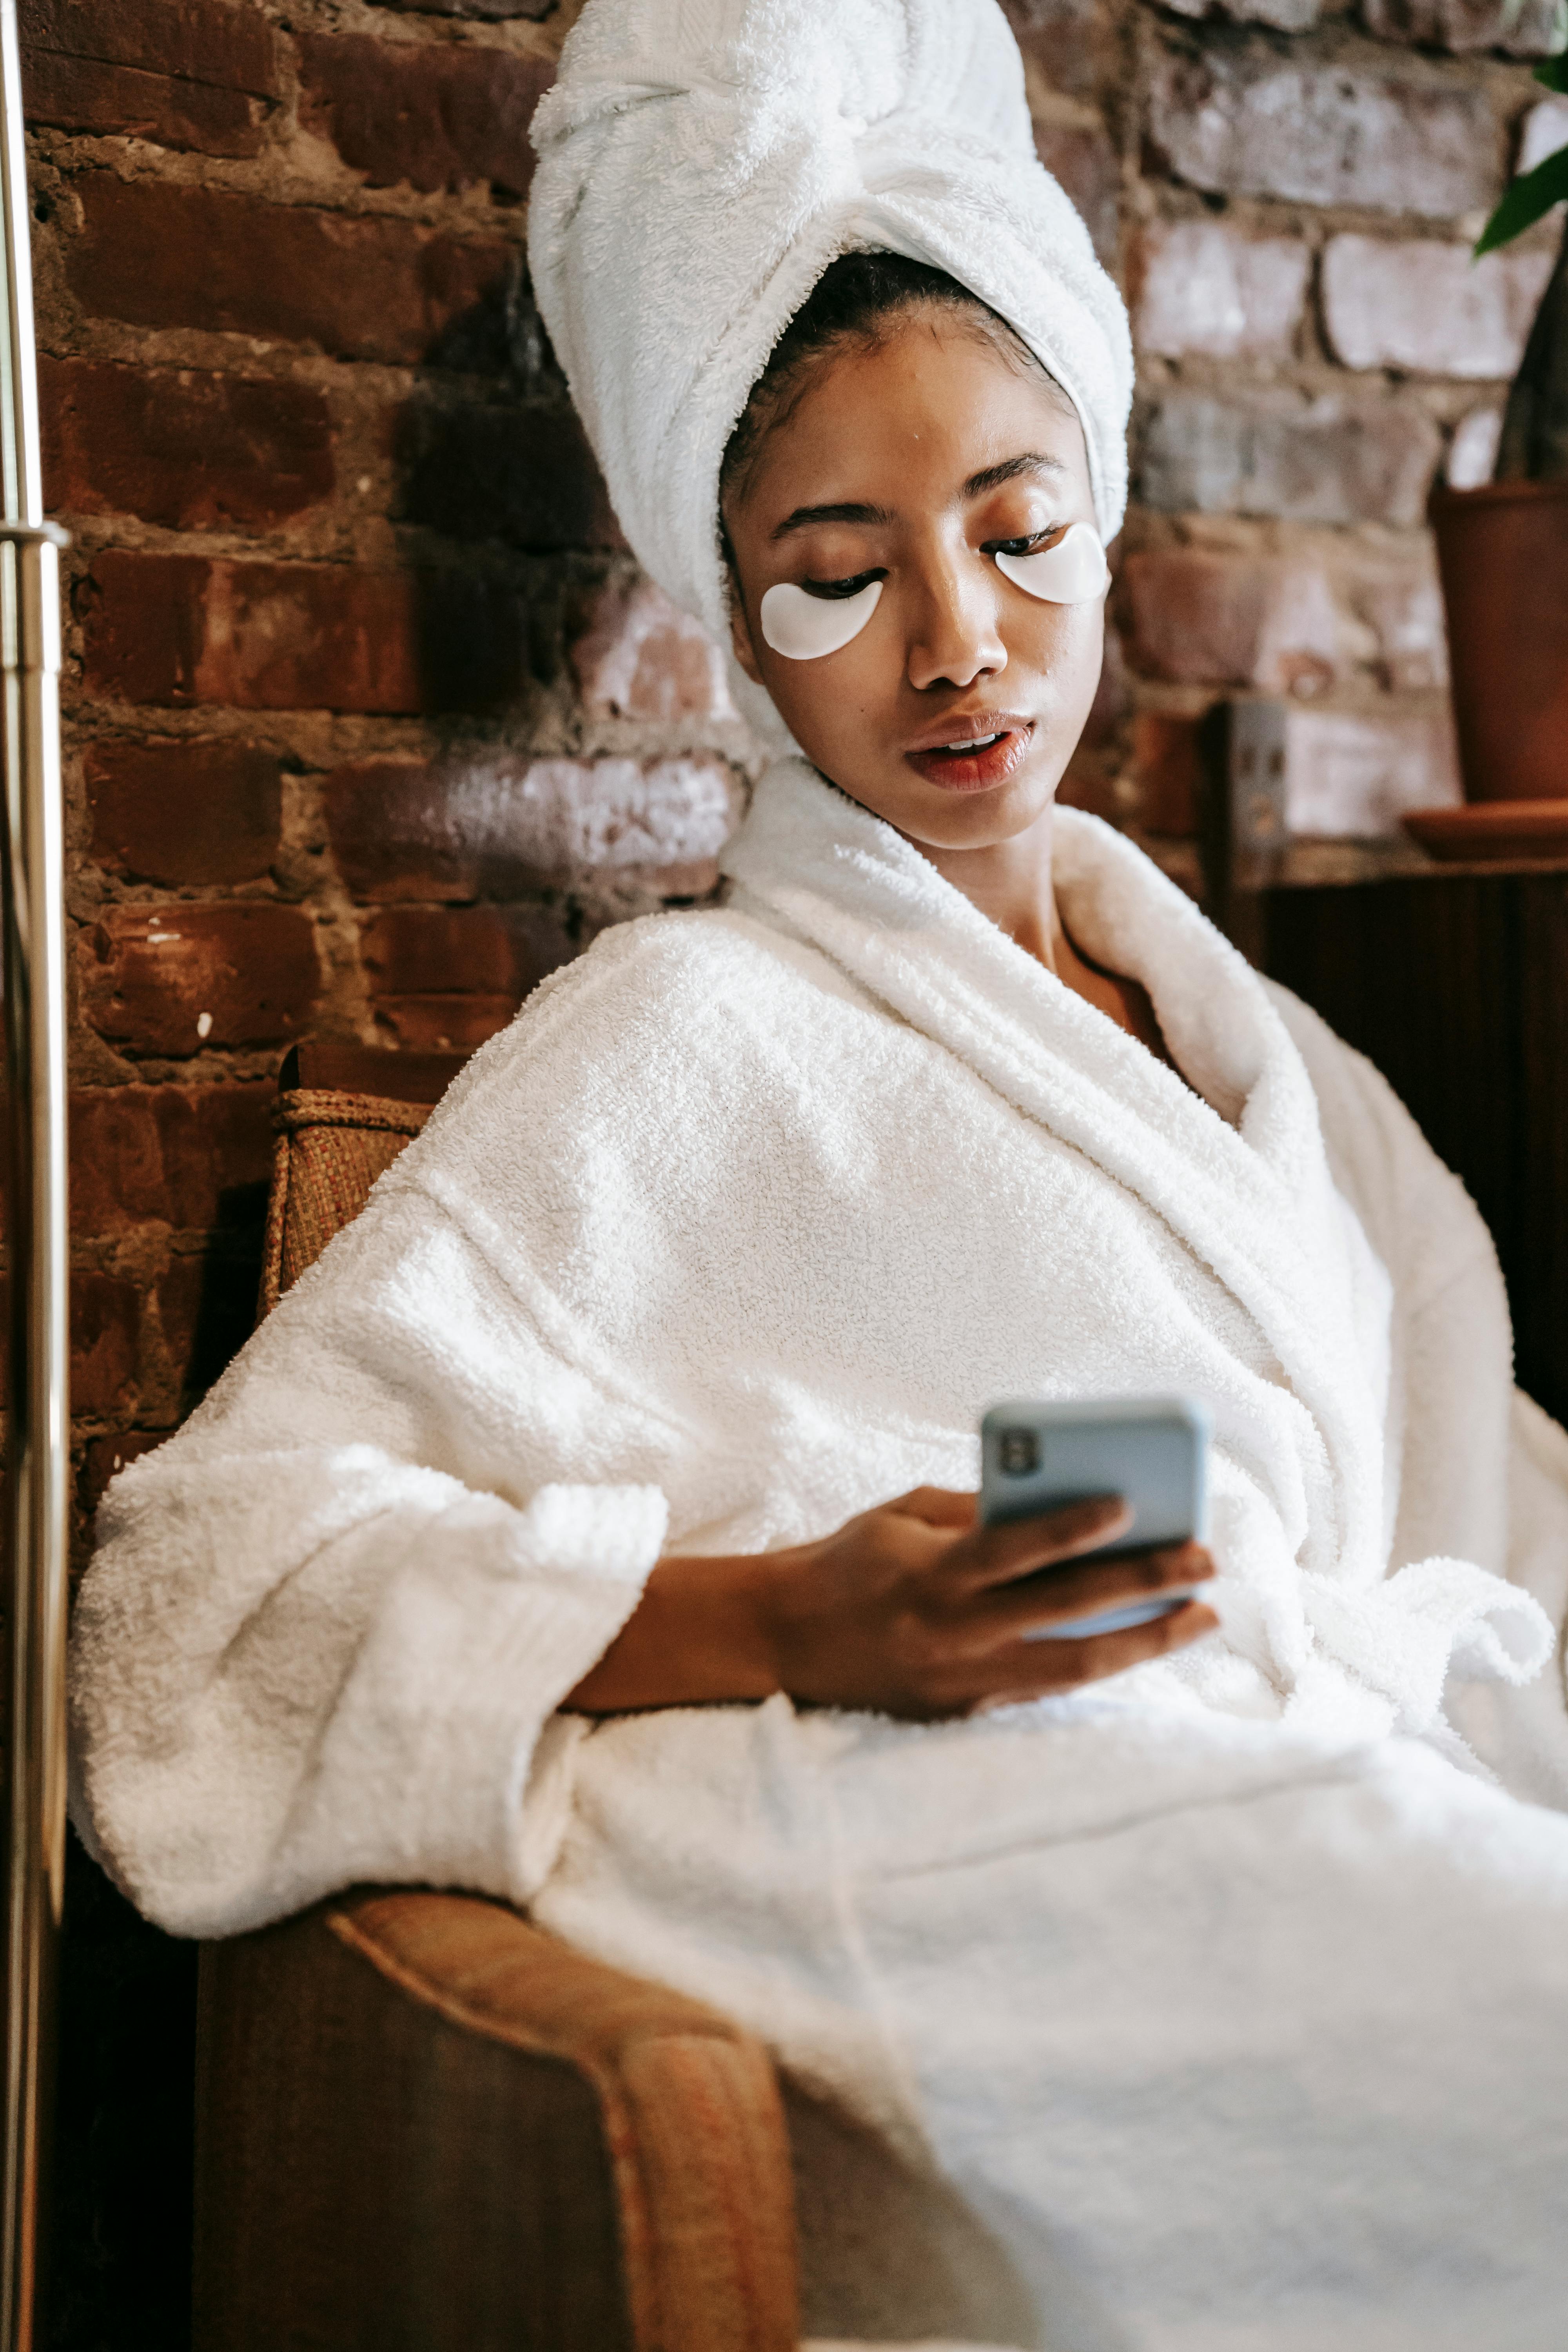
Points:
[(1234, 1162)]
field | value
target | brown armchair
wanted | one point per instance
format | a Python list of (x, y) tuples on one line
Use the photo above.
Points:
[(425, 2126)]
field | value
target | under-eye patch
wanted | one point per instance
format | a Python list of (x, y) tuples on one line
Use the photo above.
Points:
[(804, 627), (1072, 570)]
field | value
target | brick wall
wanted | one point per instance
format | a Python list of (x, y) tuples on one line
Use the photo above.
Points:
[(369, 719)]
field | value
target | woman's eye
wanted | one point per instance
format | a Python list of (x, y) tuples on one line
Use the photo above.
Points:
[(1030, 546), (840, 588)]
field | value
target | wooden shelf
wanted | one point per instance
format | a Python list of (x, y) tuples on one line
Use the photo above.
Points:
[(1306, 863)]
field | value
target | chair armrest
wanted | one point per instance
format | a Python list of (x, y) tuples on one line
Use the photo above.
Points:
[(424, 2125)]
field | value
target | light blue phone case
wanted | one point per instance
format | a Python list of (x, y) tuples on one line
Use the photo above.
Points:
[(1152, 1450)]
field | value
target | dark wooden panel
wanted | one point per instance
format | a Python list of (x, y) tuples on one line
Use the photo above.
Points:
[(1457, 987), (1539, 1272)]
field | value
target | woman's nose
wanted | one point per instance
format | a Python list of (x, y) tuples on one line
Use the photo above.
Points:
[(956, 638)]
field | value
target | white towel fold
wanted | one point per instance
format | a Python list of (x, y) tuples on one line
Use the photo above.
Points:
[(699, 167)]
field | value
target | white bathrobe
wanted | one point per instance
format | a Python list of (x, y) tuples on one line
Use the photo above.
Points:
[(1219, 2006)]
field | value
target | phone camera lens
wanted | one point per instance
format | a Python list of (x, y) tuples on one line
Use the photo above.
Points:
[(1019, 1453)]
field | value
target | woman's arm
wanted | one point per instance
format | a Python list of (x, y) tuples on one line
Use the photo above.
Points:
[(911, 1608), (329, 1622)]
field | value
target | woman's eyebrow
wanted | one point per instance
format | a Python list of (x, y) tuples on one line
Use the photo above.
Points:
[(803, 517), (991, 477)]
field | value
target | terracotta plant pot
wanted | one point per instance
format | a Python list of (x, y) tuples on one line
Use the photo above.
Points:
[(1502, 551)]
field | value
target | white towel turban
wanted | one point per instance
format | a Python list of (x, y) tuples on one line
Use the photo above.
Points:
[(702, 162)]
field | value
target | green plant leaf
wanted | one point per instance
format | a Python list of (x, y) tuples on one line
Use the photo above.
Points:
[(1554, 72), (1526, 201)]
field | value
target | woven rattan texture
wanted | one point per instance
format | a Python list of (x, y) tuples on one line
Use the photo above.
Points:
[(329, 1148)]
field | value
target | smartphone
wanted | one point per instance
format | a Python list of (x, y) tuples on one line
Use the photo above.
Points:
[(1154, 1451)]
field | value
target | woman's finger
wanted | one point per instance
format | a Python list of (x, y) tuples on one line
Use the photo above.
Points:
[(939, 1507), (1036, 1669), (1000, 1555), (1081, 1589)]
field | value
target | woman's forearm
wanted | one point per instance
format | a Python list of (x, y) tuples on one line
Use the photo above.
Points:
[(913, 1607), (699, 1636)]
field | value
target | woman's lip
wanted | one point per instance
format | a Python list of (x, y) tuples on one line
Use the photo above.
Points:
[(973, 771)]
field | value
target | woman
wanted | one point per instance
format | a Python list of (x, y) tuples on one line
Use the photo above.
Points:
[(541, 1542)]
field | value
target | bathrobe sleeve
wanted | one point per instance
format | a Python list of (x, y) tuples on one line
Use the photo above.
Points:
[(330, 1621)]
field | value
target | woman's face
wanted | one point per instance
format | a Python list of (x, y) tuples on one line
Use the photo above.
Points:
[(915, 462)]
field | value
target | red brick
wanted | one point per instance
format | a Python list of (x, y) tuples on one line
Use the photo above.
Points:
[(1232, 620), (151, 975), (81, 94), (1166, 757), (404, 828), (103, 1458), (187, 810), (183, 73), (1421, 303), (445, 1025), (180, 629), (425, 951), (436, 117), (195, 450), (1084, 161), (1063, 40), (637, 656), (1523, 28), (157, 255), (518, 472), (206, 1305), (190, 1157), (1242, 118), (449, 978), (209, 41), (1332, 458), (496, 824), (105, 1323)]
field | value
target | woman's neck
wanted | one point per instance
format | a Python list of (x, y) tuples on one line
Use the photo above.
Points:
[(1011, 883)]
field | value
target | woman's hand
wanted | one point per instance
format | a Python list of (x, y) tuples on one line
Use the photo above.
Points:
[(913, 1609)]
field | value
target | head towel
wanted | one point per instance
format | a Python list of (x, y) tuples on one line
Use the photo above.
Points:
[(702, 162)]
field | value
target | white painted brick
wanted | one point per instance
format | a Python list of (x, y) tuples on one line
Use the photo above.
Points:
[(1402, 604), (1355, 775), (1412, 303), (1472, 452), (1545, 130), (640, 656), (1205, 289), (1284, 16), (1245, 116), (569, 815)]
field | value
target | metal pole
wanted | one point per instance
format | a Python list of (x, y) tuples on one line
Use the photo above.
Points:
[(39, 1430)]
